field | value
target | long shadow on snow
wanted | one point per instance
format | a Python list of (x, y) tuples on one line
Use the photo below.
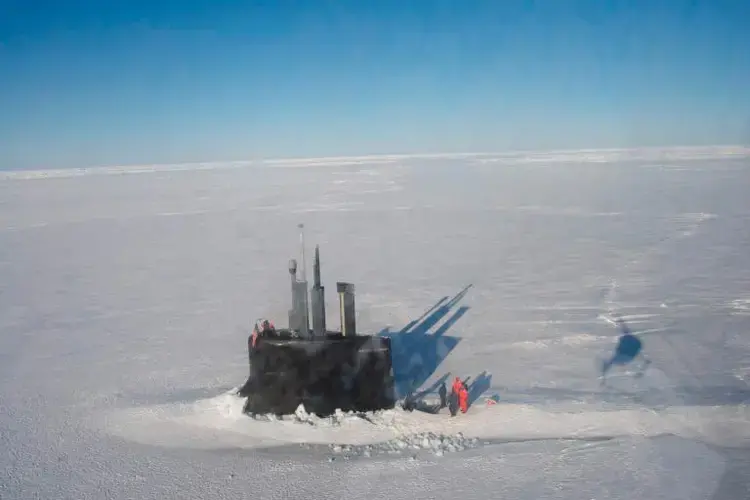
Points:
[(417, 353), (432, 389), (479, 386)]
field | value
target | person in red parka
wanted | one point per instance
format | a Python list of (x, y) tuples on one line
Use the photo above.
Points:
[(456, 385), (460, 392), (463, 398)]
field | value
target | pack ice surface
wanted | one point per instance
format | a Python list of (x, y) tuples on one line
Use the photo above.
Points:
[(126, 298)]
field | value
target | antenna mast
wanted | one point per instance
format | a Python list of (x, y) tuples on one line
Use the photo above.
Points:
[(306, 312), (302, 250)]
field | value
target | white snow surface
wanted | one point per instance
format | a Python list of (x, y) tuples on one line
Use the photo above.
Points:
[(126, 300)]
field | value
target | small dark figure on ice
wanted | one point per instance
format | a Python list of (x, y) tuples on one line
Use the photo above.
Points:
[(443, 392)]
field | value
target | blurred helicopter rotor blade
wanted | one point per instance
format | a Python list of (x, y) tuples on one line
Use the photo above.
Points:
[(623, 326)]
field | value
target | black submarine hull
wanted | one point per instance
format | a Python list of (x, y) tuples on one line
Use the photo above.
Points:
[(335, 371)]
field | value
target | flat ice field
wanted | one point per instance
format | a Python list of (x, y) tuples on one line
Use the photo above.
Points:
[(126, 298)]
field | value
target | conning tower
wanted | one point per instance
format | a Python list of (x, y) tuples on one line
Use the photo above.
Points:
[(310, 365)]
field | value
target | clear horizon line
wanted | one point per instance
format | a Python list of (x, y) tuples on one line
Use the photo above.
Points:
[(733, 148)]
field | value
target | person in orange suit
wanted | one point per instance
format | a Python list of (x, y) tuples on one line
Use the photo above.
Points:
[(456, 385), (461, 393), (463, 398)]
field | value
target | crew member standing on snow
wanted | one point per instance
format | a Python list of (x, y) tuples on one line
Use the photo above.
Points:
[(455, 399), (443, 392), (463, 397), (456, 385)]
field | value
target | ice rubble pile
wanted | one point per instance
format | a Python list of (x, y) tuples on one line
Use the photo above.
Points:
[(438, 444), (431, 442), (301, 416)]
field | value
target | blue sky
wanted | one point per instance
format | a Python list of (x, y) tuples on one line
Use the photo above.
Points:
[(95, 82)]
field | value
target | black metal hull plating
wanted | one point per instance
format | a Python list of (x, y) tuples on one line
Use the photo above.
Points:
[(353, 373)]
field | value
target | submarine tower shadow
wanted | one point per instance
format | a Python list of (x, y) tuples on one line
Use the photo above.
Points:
[(417, 352)]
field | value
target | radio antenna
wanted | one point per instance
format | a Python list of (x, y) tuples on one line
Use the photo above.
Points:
[(302, 250)]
